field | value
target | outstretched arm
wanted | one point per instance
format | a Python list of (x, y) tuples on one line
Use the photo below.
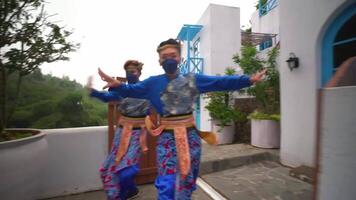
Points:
[(105, 96), (138, 90), (226, 83), (102, 95)]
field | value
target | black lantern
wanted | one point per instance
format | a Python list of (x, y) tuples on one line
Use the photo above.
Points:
[(293, 61)]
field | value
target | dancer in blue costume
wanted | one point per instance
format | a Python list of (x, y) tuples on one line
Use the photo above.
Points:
[(173, 96), (121, 165)]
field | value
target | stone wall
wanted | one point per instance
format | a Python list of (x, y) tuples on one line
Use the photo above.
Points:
[(243, 129)]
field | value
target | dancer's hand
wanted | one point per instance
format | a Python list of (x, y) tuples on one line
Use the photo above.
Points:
[(111, 82), (89, 85), (257, 77)]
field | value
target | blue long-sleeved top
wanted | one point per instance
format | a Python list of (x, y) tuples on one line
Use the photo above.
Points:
[(106, 96), (131, 107), (154, 87)]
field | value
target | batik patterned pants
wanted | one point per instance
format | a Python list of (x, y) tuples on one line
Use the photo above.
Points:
[(118, 180), (169, 184)]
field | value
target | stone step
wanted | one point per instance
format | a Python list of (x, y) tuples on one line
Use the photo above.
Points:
[(223, 157)]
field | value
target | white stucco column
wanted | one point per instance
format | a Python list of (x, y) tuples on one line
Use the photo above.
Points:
[(301, 28), (220, 39)]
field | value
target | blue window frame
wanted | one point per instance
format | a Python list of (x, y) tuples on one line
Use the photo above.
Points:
[(339, 43), (266, 44)]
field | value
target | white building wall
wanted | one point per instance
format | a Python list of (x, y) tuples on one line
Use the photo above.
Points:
[(74, 158), (268, 23), (338, 153), (220, 39), (302, 24)]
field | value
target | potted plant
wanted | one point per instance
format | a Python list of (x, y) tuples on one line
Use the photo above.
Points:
[(265, 120), (28, 40), (223, 113)]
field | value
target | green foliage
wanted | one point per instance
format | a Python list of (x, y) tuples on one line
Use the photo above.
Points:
[(43, 108), (14, 135), (23, 118), (248, 60), (267, 92), (49, 121), (51, 102), (262, 116), (263, 2), (220, 106), (248, 30), (28, 39)]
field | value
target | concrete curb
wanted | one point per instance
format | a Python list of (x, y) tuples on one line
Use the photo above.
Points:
[(212, 166)]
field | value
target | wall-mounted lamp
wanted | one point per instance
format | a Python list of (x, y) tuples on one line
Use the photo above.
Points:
[(293, 61)]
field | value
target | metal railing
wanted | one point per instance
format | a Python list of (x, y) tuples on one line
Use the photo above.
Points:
[(263, 9), (192, 65)]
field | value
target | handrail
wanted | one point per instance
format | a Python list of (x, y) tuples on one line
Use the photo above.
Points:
[(345, 74)]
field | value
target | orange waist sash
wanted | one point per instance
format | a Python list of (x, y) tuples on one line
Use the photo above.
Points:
[(179, 126), (128, 123)]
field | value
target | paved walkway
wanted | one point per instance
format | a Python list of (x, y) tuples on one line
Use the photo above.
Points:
[(147, 192), (237, 171), (264, 180), (222, 157)]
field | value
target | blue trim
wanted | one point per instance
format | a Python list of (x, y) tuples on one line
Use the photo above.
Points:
[(266, 44), (327, 61), (193, 65), (345, 41), (188, 32), (267, 7), (196, 48), (197, 113), (188, 53)]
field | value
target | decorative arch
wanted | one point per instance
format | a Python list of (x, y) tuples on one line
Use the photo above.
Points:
[(339, 42)]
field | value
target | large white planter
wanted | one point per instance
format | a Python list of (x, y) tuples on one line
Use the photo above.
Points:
[(224, 135), (265, 133), (21, 164)]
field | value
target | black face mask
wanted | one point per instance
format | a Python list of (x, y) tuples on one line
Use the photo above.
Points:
[(131, 78), (170, 66)]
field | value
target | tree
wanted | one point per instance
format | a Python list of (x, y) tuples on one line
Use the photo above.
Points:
[(267, 92), (72, 110), (27, 40), (44, 102)]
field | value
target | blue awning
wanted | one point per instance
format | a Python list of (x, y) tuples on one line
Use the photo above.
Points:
[(188, 32)]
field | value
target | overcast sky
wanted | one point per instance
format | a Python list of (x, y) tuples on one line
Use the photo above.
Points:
[(112, 31)]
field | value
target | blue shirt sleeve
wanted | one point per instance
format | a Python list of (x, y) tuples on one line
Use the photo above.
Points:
[(106, 96), (207, 83), (138, 90)]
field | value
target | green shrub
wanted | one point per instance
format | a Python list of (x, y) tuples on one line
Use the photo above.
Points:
[(221, 106)]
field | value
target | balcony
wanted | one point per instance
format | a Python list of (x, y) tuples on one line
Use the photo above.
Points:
[(193, 62), (193, 65), (263, 9)]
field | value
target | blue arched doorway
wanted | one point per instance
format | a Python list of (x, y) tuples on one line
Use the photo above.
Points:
[(339, 42)]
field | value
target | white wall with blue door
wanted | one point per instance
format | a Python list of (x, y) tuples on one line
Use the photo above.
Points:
[(303, 26)]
